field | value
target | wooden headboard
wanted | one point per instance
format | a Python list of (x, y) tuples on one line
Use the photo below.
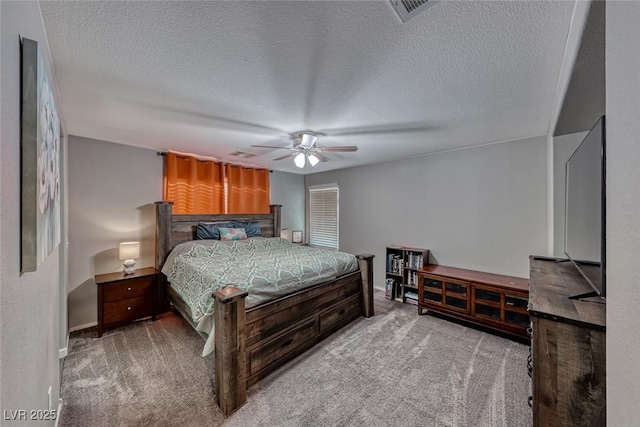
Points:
[(171, 230)]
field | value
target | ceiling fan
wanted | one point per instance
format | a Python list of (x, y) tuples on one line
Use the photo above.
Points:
[(305, 149)]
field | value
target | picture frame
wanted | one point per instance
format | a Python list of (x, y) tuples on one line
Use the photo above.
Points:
[(296, 236), (40, 161)]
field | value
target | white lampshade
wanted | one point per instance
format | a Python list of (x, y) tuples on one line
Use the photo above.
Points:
[(129, 250), (286, 234), (307, 140), (313, 160), (299, 160)]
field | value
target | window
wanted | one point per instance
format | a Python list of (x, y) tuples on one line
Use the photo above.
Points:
[(323, 216)]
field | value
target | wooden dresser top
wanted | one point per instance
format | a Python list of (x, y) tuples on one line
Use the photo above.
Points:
[(477, 277), (552, 282), (114, 277)]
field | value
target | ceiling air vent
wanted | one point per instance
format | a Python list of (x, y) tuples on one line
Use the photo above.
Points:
[(242, 154), (407, 9)]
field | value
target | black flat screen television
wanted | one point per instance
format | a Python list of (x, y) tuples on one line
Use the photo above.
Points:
[(585, 210)]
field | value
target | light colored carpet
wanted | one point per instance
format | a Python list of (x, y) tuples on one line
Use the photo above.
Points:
[(395, 369)]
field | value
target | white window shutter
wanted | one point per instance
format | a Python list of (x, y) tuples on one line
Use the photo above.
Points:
[(323, 217)]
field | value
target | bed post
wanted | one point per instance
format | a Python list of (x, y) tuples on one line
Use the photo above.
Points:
[(230, 349), (365, 261), (277, 216), (163, 231)]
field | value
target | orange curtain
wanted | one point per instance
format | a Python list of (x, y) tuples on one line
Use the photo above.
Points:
[(194, 186), (248, 189)]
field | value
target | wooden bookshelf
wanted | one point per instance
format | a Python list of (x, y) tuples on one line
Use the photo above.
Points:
[(402, 266)]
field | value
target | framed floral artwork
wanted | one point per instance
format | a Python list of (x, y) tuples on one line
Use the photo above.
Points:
[(40, 161)]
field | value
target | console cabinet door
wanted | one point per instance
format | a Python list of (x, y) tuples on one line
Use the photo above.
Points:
[(515, 309), (456, 295), (487, 303), (430, 289)]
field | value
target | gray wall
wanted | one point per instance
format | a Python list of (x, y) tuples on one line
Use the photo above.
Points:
[(29, 303), (482, 208), (563, 147), (287, 189), (112, 189), (623, 212)]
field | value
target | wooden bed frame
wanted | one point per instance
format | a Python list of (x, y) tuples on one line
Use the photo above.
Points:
[(251, 343)]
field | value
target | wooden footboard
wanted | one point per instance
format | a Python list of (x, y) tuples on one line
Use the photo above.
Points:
[(250, 344)]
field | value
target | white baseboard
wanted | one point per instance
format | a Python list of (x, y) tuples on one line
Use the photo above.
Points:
[(81, 327), (62, 353), (58, 413)]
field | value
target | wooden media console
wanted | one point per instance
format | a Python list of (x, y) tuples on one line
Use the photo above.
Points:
[(491, 300)]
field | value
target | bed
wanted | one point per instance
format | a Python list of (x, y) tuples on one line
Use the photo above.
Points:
[(252, 336)]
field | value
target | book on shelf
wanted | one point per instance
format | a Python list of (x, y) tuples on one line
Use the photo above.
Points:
[(412, 278), (411, 295), (389, 289), (392, 263), (415, 260), (395, 264), (398, 289)]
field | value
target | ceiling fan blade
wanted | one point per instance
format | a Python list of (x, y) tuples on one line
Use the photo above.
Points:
[(286, 157), (385, 129), (270, 146), (338, 149), (321, 157)]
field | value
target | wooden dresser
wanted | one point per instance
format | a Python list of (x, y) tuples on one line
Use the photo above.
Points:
[(567, 347), (125, 298)]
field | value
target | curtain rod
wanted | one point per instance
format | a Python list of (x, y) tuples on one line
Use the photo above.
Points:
[(164, 153)]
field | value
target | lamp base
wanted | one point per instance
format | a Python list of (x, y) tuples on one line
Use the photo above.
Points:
[(129, 266)]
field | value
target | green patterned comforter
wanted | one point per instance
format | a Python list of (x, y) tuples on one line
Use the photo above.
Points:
[(265, 268)]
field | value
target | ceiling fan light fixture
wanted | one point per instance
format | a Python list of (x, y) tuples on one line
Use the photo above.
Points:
[(313, 160), (307, 140), (299, 160)]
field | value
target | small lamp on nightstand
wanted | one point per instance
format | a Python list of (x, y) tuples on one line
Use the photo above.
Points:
[(286, 234), (129, 252)]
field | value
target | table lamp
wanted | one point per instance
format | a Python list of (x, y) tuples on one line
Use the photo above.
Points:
[(129, 252), (286, 234)]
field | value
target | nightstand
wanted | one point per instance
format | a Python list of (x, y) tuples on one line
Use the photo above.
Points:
[(123, 298)]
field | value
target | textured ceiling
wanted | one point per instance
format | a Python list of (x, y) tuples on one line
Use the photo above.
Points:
[(215, 77), (584, 102)]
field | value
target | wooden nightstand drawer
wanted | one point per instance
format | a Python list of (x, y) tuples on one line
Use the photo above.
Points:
[(128, 309), (123, 298), (128, 289)]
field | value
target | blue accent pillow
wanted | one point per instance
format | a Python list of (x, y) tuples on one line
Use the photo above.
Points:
[(251, 228), (211, 230)]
